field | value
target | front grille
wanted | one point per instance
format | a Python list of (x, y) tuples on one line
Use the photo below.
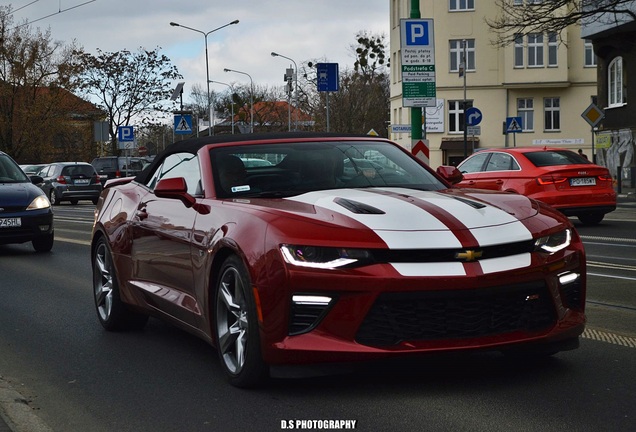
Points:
[(449, 255), (422, 316)]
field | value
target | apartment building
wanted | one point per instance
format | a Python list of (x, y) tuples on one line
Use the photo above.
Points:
[(548, 80)]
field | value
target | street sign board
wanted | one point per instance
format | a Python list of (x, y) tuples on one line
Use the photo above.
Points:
[(328, 79), (593, 115), (513, 125), (473, 130), (418, 62), (125, 134), (183, 124), (401, 128), (473, 116)]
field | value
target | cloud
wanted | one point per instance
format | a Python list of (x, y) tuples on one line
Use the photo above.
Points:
[(300, 29)]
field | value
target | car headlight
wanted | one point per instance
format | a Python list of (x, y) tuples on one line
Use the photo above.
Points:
[(554, 242), (323, 257), (40, 202)]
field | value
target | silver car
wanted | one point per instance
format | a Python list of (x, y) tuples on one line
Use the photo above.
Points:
[(70, 181)]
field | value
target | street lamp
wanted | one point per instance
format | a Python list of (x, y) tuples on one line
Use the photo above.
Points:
[(274, 54), (251, 96), (207, 66), (231, 99)]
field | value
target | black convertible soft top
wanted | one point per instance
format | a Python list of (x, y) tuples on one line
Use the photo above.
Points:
[(192, 145)]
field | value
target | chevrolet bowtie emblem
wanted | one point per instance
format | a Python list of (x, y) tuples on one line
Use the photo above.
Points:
[(469, 255)]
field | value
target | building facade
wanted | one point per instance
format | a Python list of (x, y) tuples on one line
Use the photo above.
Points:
[(613, 37), (547, 80)]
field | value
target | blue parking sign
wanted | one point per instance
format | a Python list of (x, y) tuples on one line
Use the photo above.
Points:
[(328, 79), (125, 134)]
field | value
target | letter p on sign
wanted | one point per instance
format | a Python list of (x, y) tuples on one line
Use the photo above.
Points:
[(417, 33)]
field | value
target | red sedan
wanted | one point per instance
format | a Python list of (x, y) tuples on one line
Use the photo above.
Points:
[(338, 249), (558, 177)]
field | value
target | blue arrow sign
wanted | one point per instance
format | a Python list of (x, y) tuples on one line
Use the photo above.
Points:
[(473, 116)]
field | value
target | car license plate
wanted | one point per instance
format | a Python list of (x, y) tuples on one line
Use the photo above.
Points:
[(10, 222), (82, 181), (583, 181)]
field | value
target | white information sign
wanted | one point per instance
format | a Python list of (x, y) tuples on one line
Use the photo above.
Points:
[(418, 62)]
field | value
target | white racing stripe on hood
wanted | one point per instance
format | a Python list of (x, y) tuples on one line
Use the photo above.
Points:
[(490, 225), (407, 226), (403, 226)]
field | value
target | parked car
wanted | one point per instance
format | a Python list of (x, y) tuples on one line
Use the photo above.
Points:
[(32, 169), (559, 177), (70, 181), (25, 212), (110, 167), (303, 262)]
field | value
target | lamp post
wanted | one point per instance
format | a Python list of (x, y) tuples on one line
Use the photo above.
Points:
[(231, 98), (251, 96), (274, 54), (207, 64)]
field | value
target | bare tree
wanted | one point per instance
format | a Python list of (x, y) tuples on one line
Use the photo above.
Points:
[(38, 113), (130, 86), (553, 16)]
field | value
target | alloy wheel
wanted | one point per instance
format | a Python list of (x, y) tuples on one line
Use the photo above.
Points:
[(103, 282), (232, 320)]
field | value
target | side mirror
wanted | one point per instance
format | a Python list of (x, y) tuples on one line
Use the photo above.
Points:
[(175, 188), (450, 173), (36, 179)]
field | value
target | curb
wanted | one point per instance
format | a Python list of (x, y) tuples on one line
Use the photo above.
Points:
[(15, 413)]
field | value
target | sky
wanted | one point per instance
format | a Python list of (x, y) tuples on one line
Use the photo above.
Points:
[(303, 30)]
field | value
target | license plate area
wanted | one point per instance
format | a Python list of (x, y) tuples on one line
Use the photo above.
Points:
[(10, 222), (82, 181), (583, 181)]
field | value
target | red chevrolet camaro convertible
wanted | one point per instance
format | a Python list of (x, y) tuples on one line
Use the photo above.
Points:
[(332, 249)]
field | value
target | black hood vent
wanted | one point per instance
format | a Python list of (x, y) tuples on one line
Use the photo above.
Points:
[(357, 207)]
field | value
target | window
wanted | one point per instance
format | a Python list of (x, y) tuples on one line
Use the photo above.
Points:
[(456, 115), (461, 5), (535, 50), (519, 51), (501, 162), (457, 54), (184, 165), (590, 57), (525, 110), (615, 82), (474, 163), (553, 46), (552, 114)]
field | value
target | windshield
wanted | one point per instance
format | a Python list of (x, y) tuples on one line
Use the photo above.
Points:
[(552, 158), (10, 172), (288, 169)]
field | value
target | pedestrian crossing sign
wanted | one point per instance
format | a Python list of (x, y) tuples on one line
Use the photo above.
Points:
[(513, 125), (183, 124)]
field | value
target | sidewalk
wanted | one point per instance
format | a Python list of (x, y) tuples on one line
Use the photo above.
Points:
[(15, 413)]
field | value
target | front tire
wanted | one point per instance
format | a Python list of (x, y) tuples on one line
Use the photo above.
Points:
[(113, 314), (237, 329), (44, 243), (53, 198)]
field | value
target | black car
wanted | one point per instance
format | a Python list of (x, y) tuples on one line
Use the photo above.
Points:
[(110, 167), (25, 212), (70, 181)]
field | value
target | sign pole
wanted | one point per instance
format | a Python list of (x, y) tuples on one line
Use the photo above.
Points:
[(417, 114)]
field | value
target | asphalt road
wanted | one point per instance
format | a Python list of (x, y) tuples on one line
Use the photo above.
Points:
[(76, 377)]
